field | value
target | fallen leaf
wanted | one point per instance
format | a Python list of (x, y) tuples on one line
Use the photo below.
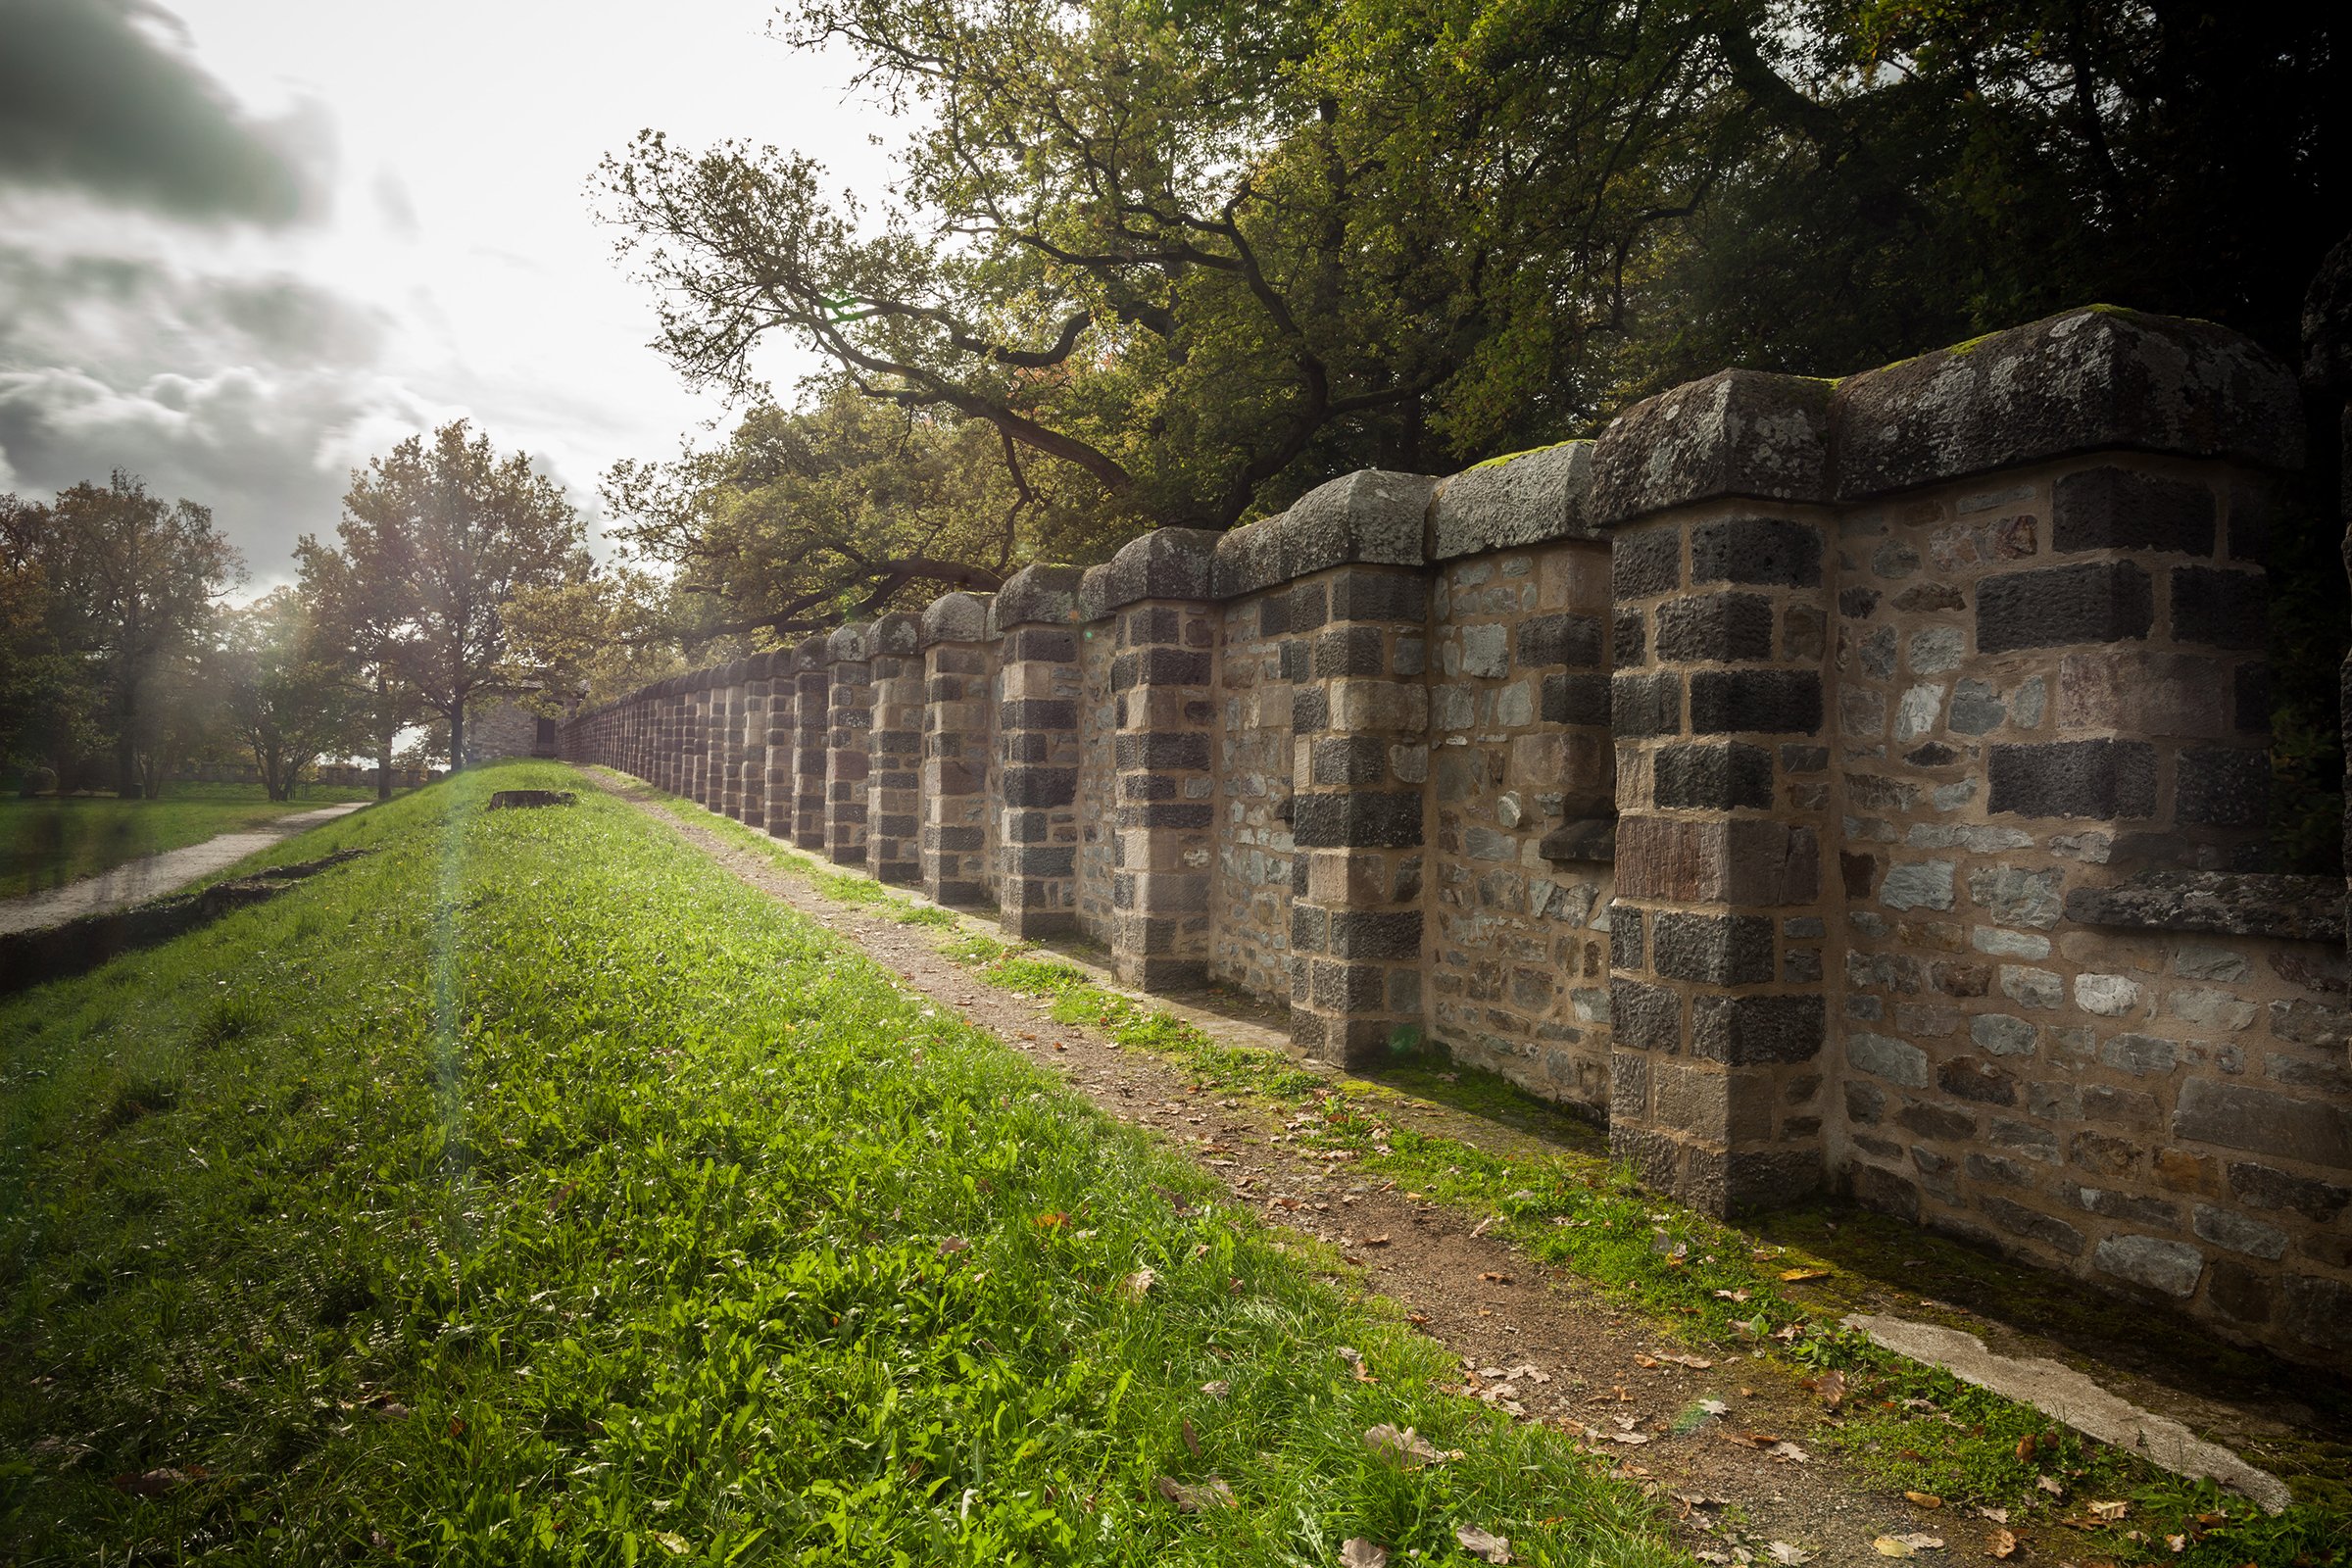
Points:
[(1999, 1516), (1191, 1441), (1713, 1406), (1417, 1319), (1889, 1547), (1696, 1363), (2025, 1448), (1924, 1499), (1905, 1545), (954, 1245), (676, 1545), (1732, 1295), (1217, 1390), (151, 1483), (2110, 1510), (2004, 1545), (1192, 1500), (1788, 1452), (1781, 1551), (1408, 1447), (1631, 1438), (2049, 1483), (1357, 1552), (1832, 1387), (1643, 1360), (1375, 1241), (1794, 1274), (2178, 1543), (1483, 1544), (1136, 1284), (1052, 1221), (1499, 1279)]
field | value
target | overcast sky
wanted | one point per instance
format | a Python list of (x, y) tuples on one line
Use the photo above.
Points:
[(247, 244)]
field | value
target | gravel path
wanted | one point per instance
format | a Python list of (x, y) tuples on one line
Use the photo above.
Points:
[(153, 875)]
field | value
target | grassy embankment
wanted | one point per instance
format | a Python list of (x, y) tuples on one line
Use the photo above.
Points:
[(1906, 1427), (53, 839), (530, 1190)]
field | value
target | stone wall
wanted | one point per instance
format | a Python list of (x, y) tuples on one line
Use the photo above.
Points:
[(1836, 787)]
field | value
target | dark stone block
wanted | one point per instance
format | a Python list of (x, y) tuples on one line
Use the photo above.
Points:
[(1724, 950), (2102, 779), (1037, 714), (1757, 1180), (2223, 787), (1581, 840), (2300, 907), (1171, 666), (1160, 749), (1973, 1078), (1718, 777), (1177, 815), (1627, 647), (1645, 1017), (2122, 509), (1755, 702), (1356, 819), (2261, 1121), (1771, 551), (2097, 602), (1646, 562), (1349, 651), (1297, 660), (1857, 604), (1348, 760), (1151, 626), (1041, 645), (2261, 1186), (1629, 1085), (2046, 1229), (2253, 516), (1311, 709), (1645, 704), (1578, 699), (1040, 786), (1310, 607), (1041, 860), (1382, 933), (1274, 615), (1712, 628), (1756, 1031), (1147, 787), (1625, 937), (2239, 1293), (1311, 927), (1929, 1120), (1345, 987), (1875, 1187), (1562, 639), (1932, 755), (2316, 1311), (1361, 595), (2219, 609)]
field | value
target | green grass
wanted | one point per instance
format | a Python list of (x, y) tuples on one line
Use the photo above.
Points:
[(1719, 1288), (530, 1190), (52, 840)]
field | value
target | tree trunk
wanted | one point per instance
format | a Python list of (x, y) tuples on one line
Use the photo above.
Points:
[(456, 736), (126, 765), (383, 767)]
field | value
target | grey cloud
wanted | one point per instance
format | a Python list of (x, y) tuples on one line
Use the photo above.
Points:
[(254, 396), (92, 99)]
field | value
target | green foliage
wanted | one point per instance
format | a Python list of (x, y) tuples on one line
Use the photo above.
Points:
[(547, 1198)]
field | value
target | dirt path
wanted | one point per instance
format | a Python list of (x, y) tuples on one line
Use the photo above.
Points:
[(153, 875), (1534, 1341)]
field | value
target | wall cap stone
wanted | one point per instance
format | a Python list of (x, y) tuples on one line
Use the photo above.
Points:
[(1164, 563), (1529, 498), (1036, 596), (813, 652), (896, 634), (2095, 379), (2232, 904), (1373, 516), (1735, 433), (850, 645), (957, 617)]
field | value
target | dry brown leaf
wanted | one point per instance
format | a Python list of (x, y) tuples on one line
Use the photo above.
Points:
[(2110, 1510), (1191, 1441), (954, 1245), (2025, 1449), (1211, 1492), (1135, 1285), (1483, 1544), (1794, 1274), (2004, 1545), (1052, 1222), (1381, 1240), (1408, 1447), (1924, 1499), (1643, 1360), (1499, 1279), (1832, 1387), (1357, 1552), (1697, 1362), (1218, 1390)]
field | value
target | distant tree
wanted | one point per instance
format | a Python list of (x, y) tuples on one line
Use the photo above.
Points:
[(435, 540), (358, 623), (598, 636), (46, 699), (277, 687), (136, 582)]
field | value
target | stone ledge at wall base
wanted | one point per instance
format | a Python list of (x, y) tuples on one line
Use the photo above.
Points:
[(1835, 785)]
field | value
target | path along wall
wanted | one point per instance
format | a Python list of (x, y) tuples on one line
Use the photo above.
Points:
[(1845, 786)]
